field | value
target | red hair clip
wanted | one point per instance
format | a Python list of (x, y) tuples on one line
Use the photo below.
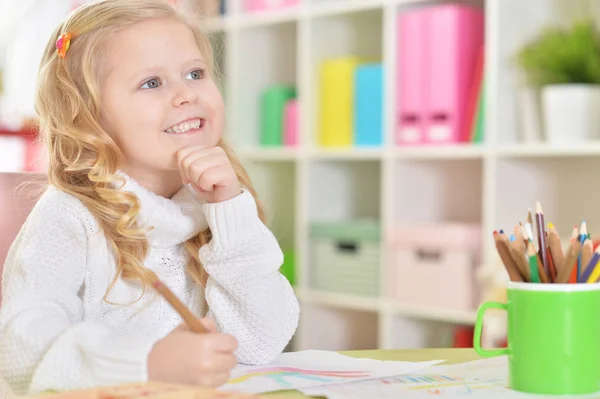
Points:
[(63, 43)]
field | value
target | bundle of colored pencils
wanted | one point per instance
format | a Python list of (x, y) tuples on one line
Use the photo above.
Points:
[(548, 263)]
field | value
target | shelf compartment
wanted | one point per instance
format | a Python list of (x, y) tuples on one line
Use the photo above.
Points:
[(275, 184), (353, 40), (269, 54), (410, 333), (340, 329), (432, 191), (344, 190)]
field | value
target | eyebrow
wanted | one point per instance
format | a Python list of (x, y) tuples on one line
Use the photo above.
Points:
[(140, 75)]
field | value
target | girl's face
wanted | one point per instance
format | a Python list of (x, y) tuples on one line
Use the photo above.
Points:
[(157, 96)]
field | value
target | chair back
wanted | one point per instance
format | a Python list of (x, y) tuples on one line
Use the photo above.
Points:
[(18, 194)]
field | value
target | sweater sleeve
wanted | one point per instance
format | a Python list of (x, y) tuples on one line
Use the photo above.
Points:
[(44, 342), (247, 295)]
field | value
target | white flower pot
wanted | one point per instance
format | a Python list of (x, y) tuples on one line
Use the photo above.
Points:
[(571, 113)]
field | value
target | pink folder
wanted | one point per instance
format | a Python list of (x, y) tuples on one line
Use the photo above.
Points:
[(410, 126), (455, 36)]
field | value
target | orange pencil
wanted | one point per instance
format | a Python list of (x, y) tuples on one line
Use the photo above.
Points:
[(191, 320), (569, 265)]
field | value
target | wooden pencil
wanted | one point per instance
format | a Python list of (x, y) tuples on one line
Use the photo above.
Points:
[(551, 267), (582, 237), (509, 264), (573, 276), (587, 250), (595, 272), (534, 266), (529, 227), (568, 266), (555, 247), (519, 257), (519, 242), (191, 320), (541, 232), (589, 267)]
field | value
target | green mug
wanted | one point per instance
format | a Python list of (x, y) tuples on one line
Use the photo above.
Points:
[(553, 337)]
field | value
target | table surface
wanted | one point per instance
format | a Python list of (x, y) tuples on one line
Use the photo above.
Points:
[(449, 355)]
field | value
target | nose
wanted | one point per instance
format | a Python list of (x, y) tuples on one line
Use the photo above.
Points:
[(183, 95)]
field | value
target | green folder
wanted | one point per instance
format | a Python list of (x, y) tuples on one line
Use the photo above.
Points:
[(272, 106)]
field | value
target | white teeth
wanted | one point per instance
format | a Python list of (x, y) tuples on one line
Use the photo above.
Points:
[(184, 127)]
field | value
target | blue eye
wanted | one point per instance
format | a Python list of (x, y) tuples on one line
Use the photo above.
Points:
[(196, 74), (151, 84)]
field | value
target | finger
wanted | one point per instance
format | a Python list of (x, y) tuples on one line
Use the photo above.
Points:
[(220, 342), (217, 362), (182, 327), (187, 160), (213, 380), (181, 155), (200, 165), (209, 324), (196, 162), (215, 176), (187, 152), (220, 379)]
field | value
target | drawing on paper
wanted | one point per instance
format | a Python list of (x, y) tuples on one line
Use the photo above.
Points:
[(281, 375), (441, 383)]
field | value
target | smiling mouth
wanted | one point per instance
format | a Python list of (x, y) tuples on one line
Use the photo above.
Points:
[(187, 126)]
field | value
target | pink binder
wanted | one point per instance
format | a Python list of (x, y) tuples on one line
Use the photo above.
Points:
[(263, 5), (455, 35), (410, 126), (290, 123)]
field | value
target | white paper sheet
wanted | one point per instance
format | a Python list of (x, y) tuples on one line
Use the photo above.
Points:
[(479, 379), (304, 369)]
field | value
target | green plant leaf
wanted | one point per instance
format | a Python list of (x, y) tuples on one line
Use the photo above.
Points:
[(561, 56)]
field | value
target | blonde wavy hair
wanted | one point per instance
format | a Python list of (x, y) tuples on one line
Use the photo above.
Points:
[(83, 158)]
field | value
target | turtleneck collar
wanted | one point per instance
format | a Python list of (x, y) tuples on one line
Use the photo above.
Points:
[(174, 220)]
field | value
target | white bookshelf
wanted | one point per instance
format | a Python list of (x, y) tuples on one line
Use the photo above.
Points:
[(492, 184)]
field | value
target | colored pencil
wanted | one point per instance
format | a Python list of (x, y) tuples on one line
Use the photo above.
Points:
[(587, 251), (594, 266), (548, 263), (534, 265), (529, 227), (551, 267), (555, 247), (520, 240), (573, 276), (191, 320), (541, 232), (589, 264), (566, 269), (582, 237), (519, 258), (502, 246)]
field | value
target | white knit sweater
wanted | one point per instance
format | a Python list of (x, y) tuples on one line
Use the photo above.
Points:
[(57, 332)]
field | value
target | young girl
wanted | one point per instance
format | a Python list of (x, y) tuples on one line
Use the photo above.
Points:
[(141, 187)]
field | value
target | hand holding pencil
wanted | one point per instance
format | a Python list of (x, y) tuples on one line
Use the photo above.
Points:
[(194, 353), (548, 263)]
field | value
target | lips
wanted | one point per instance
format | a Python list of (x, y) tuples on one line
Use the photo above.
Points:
[(186, 126)]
